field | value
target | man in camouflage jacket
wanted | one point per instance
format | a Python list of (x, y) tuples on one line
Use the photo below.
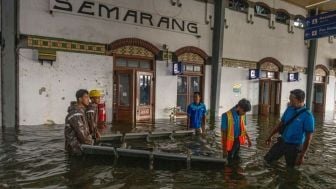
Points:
[(76, 130)]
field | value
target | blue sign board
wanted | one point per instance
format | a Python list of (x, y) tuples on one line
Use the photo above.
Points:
[(254, 74), (177, 68), (321, 19), (322, 25), (324, 31)]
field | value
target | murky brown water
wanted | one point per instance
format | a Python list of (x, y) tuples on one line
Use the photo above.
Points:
[(35, 158)]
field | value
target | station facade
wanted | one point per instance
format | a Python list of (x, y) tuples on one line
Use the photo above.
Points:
[(128, 49)]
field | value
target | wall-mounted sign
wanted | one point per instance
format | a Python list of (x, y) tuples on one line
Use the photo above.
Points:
[(177, 68), (100, 10), (254, 74), (321, 25), (293, 77)]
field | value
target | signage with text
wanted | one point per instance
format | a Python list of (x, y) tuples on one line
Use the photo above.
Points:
[(322, 25), (177, 68), (293, 77), (254, 74), (100, 10)]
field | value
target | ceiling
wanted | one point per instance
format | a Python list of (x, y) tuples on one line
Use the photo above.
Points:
[(322, 5)]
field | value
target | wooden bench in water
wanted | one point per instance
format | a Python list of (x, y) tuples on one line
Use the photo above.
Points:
[(135, 153), (148, 135)]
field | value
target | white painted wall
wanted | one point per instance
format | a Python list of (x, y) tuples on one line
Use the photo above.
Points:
[(330, 98), (207, 86), (256, 41), (70, 72), (325, 52), (241, 41), (36, 20), (249, 89), (166, 90), (289, 86)]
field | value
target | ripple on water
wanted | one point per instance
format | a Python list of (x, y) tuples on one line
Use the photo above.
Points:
[(35, 158)]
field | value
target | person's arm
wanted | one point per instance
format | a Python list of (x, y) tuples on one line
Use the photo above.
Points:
[(275, 130), (309, 127), (224, 138), (204, 120), (188, 117), (78, 126), (90, 115), (306, 144), (224, 133), (203, 124), (249, 143), (248, 140)]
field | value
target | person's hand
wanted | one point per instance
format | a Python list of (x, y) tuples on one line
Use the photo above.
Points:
[(299, 160), (249, 143), (225, 153), (98, 135), (268, 141)]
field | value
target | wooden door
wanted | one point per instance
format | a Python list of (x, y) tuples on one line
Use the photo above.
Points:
[(264, 97), (144, 96), (123, 106), (276, 87), (319, 97)]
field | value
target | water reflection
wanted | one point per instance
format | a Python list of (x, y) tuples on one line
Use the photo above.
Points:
[(34, 157)]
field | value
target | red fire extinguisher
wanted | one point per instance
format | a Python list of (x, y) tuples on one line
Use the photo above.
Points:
[(101, 112)]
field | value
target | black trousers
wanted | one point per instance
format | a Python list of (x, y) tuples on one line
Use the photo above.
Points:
[(279, 149), (234, 153)]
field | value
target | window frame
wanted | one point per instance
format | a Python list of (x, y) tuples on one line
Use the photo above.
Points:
[(244, 4), (283, 12), (303, 21), (266, 7)]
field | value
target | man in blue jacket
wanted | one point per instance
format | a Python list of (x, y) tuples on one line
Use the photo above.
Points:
[(296, 131)]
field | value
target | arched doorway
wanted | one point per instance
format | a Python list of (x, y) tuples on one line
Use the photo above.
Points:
[(320, 88), (133, 80), (193, 62), (270, 86)]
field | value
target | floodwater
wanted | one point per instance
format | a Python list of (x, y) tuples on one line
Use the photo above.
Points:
[(34, 157)]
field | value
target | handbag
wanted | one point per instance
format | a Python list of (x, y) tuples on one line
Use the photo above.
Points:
[(283, 126)]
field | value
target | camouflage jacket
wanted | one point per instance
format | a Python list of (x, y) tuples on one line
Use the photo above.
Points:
[(92, 118), (76, 130)]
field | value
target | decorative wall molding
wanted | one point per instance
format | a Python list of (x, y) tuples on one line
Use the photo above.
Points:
[(289, 68), (191, 49), (133, 51), (270, 64), (191, 58), (58, 44), (133, 42), (321, 70), (234, 63)]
